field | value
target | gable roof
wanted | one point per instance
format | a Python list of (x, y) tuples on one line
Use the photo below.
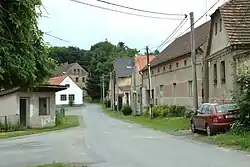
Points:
[(182, 45), (236, 17), (56, 80), (120, 67), (141, 61), (65, 68)]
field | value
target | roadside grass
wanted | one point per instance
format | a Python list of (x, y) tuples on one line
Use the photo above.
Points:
[(67, 122), (162, 124), (239, 142)]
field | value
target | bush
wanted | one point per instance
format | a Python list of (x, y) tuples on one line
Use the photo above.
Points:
[(107, 103), (189, 113), (88, 99), (126, 110), (59, 119), (10, 128)]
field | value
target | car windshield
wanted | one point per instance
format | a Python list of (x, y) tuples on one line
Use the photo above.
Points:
[(226, 107)]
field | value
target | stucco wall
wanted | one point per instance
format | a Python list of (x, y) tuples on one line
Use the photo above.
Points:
[(9, 108), (34, 120), (179, 75)]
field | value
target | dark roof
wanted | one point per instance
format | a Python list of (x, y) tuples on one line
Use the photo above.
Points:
[(63, 68), (120, 67), (236, 17), (41, 88), (182, 45)]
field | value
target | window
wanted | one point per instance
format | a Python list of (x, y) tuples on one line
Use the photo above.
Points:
[(164, 68), (152, 72), (185, 62), (159, 70), (174, 89), (223, 72), (139, 98), (161, 87), (209, 110), (74, 70), (71, 97), (78, 70), (146, 74), (204, 109), (220, 25), (161, 90), (215, 28), (63, 97), (170, 67), (83, 79), (67, 85), (215, 74), (177, 65), (190, 88), (76, 79), (44, 106)]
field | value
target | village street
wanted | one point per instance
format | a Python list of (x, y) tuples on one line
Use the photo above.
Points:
[(106, 142)]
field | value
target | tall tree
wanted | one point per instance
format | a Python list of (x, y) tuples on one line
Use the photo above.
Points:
[(23, 54)]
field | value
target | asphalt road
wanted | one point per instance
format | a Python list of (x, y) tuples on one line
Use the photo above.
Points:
[(106, 142)]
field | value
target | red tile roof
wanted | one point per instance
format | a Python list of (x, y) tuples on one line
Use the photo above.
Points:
[(141, 61), (56, 80)]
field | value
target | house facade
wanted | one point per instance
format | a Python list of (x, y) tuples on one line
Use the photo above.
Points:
[(228, 49), (121, 79), (31, 107), (171, 70), (72, 93), (78, 74), (139, 92)]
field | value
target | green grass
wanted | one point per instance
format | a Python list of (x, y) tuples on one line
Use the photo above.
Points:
[(68, 122), (239, 142), (54, 165), (163, 124)]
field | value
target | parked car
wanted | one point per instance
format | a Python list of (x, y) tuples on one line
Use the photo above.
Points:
[(214, 117)]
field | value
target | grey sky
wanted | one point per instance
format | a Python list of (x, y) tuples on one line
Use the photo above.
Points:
[(84, 26)]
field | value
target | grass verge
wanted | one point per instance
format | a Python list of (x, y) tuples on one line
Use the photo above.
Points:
[(239, 142), (68, 122), (163, 124)]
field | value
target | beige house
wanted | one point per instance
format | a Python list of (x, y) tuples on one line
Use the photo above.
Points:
[(31, 107), (228, 48), (74, 71), (172, 70)]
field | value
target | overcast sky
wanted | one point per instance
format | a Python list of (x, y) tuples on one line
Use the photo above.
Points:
[(84, 26)]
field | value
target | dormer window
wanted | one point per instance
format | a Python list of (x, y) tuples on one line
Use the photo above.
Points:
[(220, 25)]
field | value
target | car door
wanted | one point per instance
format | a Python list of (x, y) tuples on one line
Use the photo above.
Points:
[(206, 119), (202, 117), (198, 117)]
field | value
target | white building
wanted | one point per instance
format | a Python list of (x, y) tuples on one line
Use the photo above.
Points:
[(74, 92)]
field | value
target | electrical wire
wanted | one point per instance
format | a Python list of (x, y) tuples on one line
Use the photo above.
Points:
[(128, 13), (55, 37), (141, 10)]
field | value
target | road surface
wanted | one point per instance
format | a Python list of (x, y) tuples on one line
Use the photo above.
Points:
[(106, 142)]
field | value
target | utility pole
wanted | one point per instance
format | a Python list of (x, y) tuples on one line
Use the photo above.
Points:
[(112, 91), (134, 88), (149, 86), (103, 89), (193, 57)]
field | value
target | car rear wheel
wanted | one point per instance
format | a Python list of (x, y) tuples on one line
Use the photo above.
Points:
[(192, 126), (209, 130)]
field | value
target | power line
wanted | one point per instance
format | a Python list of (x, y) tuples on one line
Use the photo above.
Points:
[(141, 10), (173, 33), (128, 13), (55, 37)]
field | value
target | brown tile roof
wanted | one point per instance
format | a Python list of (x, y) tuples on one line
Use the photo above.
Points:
[(56, 80), (236, 17), (182, 45)]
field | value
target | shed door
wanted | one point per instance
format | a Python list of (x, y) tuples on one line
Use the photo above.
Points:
[(23, 111)]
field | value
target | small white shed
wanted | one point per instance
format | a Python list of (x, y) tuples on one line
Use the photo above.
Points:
[(31, 107), (73, 91)]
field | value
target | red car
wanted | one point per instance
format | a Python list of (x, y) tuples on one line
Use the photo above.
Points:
[(214, 117)]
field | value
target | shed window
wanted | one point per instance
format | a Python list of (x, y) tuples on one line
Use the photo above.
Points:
[(177, 65), (164, 68), (185, 62), (44, 106), (63, 97)]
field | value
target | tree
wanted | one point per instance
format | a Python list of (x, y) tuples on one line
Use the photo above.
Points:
[(156, 52), (23, 54)]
